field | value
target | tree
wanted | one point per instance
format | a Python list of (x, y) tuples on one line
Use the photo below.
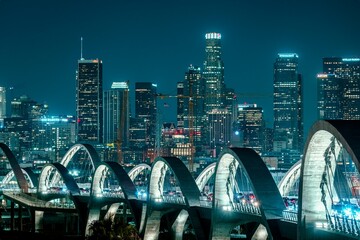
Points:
[(107, 229)]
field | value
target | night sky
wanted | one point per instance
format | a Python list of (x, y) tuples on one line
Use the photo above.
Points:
[(144, 40)]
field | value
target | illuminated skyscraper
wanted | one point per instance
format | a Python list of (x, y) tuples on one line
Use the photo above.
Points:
[(116, 114), (339, 89), (146, 110), (89, 101), (288, 104), (213, 73), (180, 105), (251, 126), (219, 130), (2, 104), (194, 115)]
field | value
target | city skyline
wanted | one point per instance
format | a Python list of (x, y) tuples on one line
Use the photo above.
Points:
[(136, 44)]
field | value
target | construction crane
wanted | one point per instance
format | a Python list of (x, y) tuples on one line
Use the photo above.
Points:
[(191, 124), (191, 114)]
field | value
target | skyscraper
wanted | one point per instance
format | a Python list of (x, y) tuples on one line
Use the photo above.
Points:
[(288, 104), (89, 101), (146, 110), (251, 126), (194, 91), (116, 114), (330, 96), (219, 130), (180, 105), (339, 89), (213, 73), (2, 105)]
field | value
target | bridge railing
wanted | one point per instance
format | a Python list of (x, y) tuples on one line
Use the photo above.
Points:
[(247, 208), (344, 224), (290, 216), (174, 199)]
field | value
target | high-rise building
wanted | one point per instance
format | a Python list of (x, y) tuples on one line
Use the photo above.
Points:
[(53, 133), (219, 130), (2, 105), (213, 73), (251, 126), (146, 110), (194, 114), (339, 89), (329, 97), (19, 126), (180, 105), (288, 104), (116, 114), (231, 103), (89, 101)]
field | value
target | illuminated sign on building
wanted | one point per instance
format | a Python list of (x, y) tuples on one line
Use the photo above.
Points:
[(351, 59), (288, 55), (213, 36)]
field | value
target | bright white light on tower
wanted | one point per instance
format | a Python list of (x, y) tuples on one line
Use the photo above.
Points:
[(213, 36)]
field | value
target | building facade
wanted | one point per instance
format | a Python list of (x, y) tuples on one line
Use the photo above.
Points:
[(288, 104), (219, 130), (146, 111), (213, 73), (2, 105), (117, 114), (194, 112), (251, 126), (89, 101), (339, 89)]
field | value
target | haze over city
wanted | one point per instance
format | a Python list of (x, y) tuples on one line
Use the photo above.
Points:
[(157, 40)]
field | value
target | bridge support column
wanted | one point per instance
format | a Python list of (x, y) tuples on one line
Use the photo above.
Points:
[(94, 215), (38, 220), (153, 226), (20, 218), (12, 220)]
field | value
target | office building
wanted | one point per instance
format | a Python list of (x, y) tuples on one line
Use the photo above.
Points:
[(180, 105), (53, 134), (146, 110), (219, 130), (288, 104), (193, 99), (89, 101), (19, 127), (116, 114), (213, 73), (339, 89), (251, 126), (2, 105)]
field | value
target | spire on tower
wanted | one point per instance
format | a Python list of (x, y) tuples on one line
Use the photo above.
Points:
[(81, 50)]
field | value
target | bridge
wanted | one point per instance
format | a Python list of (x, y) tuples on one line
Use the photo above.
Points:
[(235, 197)]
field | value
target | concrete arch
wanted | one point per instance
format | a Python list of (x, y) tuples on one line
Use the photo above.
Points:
[(19, 175), (126, 185), (94, 157), (32, 180), (261, 181), (125, 182), (90, 150), (187, 186), (178, 226), (63, 172), (135, 171), (324, 136), (290, 178), (205, 175)]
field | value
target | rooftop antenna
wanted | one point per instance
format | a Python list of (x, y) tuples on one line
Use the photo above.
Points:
[(81, 52)]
